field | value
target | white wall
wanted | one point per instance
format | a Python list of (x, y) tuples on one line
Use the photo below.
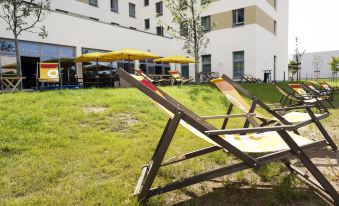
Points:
[(308, 67)]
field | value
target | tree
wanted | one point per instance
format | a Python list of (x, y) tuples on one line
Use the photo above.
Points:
[(292, 68), (187, 26), (317, 64), (24, 16), (297, 57), (334, 64)]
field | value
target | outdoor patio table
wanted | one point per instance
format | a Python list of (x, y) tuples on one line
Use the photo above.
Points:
[(11, 83)]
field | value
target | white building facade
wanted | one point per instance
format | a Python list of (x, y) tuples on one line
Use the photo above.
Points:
[(248, 36)]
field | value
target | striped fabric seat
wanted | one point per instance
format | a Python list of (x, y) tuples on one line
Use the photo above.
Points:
[(254, 143)]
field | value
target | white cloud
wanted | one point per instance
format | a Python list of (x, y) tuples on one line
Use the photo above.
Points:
[(315, 23)]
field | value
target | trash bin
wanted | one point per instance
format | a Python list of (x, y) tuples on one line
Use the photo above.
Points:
[(267, 76)]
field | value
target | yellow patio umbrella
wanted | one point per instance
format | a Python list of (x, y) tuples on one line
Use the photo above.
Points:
[(129, 54), (175, 59), (93, 56)]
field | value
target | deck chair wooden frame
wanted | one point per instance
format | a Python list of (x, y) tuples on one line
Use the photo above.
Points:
[(178, 78), (327, 87), (275, 112), (320, 93), (141, 73), (306, 94), (288, 99), (144, 188)]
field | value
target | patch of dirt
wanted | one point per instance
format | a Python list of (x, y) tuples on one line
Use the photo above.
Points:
[(124, 121), (120, 122), (93, 109)]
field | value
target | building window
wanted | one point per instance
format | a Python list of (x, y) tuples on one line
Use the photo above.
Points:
[(206, 23), (274, 67), (275, 27), (183, 29), (275, 4), (146, 2), (160, 31), (93, 2), (206, 63), (238, 17), (114, 5), (132, 10), (158, 8), (185, 70), (238, 64), (147, 24)]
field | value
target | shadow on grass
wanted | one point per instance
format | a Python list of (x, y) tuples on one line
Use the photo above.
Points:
[(239, 194)]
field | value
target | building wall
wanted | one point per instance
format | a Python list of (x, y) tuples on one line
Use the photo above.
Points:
[(255, 38), (307, 67)]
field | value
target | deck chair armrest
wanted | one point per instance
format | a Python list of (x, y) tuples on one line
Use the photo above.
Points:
[(228, 116), (250, 130)]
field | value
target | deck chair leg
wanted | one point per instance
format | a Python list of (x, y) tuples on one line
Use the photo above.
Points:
[(325, 184), (309, 181), (224, 124), (160, 154), (253, 106), (322, 129)]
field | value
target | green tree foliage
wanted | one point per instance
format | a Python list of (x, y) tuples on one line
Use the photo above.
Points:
[(334, 64), (187, 26), (24, 16)]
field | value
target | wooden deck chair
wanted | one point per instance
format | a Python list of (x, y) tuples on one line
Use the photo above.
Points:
[(291, 115), (275, 143), (247, 78), (48, 73), (327, 87), (178, 78), (290, 99), (322, 93), (302, 93), (141, 73)]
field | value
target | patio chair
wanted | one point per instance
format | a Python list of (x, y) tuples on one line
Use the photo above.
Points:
[(287, 115), (301, 92), (310, 88), (178, 78), (247, 78), (328, 88), (154, 81), (274, 143), (291, 99)]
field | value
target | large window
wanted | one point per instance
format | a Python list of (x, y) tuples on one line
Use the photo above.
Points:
[(147, 24), (160, 31), (93, 2), (185, 70), (238, 64), (158, 8), (238, 17), (275, 27), (146, 2), (206, 23), (206, 63), (132, 10), (183, 28), (114, 5)]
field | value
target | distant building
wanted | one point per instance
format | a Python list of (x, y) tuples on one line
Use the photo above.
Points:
[(249, 36), (308, 68)]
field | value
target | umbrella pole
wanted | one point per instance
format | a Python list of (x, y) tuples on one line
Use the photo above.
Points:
[(97, 71)]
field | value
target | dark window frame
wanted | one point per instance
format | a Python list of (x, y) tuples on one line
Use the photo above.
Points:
[(238, 61), (161, 33), (146, 2), (147, 24), (115, 9), (159, 8), (236, 17), (208, 64), (130, 6), (208, 29), (96, 3)]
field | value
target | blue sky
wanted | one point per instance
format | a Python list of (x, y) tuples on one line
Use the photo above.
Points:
[(315, 23)]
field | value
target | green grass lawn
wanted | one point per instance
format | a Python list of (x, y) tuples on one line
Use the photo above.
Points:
[(86, 147)]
